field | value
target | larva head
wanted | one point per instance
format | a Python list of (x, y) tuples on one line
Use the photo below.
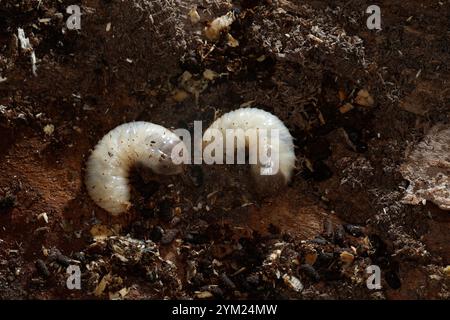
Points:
[(274, 171), (168, 157)]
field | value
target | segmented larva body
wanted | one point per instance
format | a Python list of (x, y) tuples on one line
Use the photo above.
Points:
[(130, 144), (255, 119)]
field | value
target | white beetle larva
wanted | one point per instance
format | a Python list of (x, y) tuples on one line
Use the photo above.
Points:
[(248, 119), (125, 146)]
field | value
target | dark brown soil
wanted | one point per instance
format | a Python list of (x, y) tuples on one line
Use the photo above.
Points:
[(215, 236)]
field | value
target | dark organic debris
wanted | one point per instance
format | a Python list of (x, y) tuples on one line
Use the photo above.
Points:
[(42, 268), (392, 279), (169, 236), (157, 233), (355, 231), (63, 260), (7, 202), (309, 271)]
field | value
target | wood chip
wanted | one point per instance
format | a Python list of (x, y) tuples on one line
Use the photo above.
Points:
[(180, 95), (102, 285), (100, 232), (311, 258), (49, 129), (346, 108), (293, 282), (231, 41), (447, 271), (210, 75), (363, 98), (43, 216), (194, 16), (346, 257), (203, 294)]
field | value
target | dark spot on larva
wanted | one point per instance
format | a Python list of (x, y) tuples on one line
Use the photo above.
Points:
[(110, 154)]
